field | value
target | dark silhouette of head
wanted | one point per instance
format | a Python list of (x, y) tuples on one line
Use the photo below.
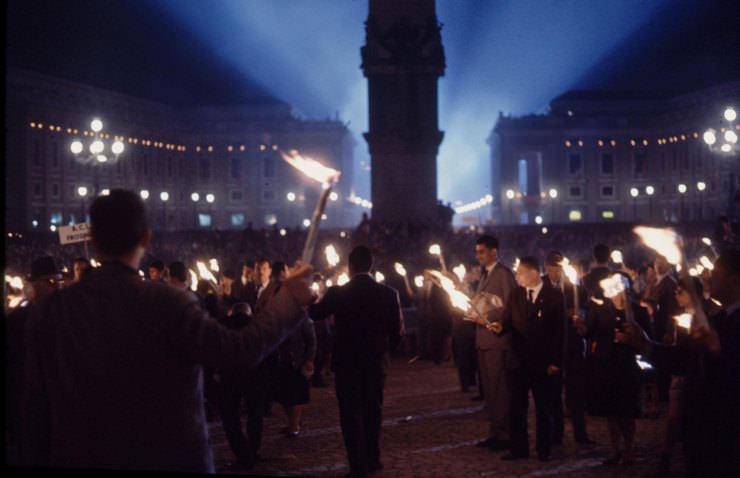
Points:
[(601, 253), (360, 260), (118, 222)]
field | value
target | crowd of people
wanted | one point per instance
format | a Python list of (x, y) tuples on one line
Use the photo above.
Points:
[(578, 348)]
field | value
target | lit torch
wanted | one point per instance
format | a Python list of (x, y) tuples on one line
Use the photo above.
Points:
[(668, 243), (213, 265), (206, 274), (572, 275), (332, 258), (435, 250), (460, 271), (400, 270), (683, 320), (327, 177), (461, 301), (193, 280)]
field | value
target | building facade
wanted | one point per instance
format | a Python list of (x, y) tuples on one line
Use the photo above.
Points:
[(599, 157), (202, 167)]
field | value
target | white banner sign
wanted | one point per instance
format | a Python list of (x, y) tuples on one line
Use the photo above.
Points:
[(74, 233)]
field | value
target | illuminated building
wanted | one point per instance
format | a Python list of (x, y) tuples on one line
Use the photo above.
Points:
[(229, 154)]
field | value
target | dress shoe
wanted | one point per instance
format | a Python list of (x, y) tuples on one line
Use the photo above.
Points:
[(514, 456)]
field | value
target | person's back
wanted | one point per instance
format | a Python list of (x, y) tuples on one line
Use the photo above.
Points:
[(112, 375)]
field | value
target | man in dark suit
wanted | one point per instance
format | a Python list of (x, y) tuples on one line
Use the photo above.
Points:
[(113, 374), (368, 324), (493, 350), (244, 288), (574, 350), (533, 318), (663, 294)]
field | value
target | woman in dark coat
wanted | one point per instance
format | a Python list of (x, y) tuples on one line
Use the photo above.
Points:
[(614, 375)]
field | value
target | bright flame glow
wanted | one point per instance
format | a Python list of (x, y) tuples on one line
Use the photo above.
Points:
[(400, 270), (94, 263), (329, 283), (342, 279), (315, 287), (706, 263), (693, 272), (663, 241), (14, 281), (313, 169), (683, 320), (332, 258), (204, 273), (569, 270), (457, 298), (460, 271), (613, 286), (193, 280), (213, 265), (617, 257), (706, 241), (435, 250), (419, 281), (516, 265), (379, 277)]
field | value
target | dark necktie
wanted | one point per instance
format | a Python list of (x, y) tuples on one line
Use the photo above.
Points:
[(531, 296)]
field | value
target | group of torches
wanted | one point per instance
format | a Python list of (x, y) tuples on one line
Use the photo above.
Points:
[(665, 241)]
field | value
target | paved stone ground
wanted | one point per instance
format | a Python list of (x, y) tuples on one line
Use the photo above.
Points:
[(429, 430)]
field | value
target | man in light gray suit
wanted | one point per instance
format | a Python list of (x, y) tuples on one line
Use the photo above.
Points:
[(495, 284)]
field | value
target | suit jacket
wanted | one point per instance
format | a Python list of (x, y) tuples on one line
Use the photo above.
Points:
[(244, 293), (368, 323), (113, 375), (536, 330), (500, 281)]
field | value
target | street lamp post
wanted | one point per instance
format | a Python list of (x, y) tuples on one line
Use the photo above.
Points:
[(701, 186), (510, 197), (195, 197), (634, 192), (553, 196), (164, 196), (681, 191), (724, 142), (649, 190), (82, 192), (97, 149)]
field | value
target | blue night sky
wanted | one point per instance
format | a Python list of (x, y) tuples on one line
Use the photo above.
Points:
[(510, 56)]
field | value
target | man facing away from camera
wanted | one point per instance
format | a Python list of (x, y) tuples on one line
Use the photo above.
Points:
[(113, 374)]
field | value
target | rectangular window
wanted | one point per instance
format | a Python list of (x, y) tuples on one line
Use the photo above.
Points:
[(268, 196), (607, 164), (575, 215), (55, 190), (204, 168), (37, 190), (204, 220), (607, 214), (639, 164), (575, 192), (574, 163), (56, 218), (236, 195), (607, 191), (237, 220), (268, 167), (236, 167)]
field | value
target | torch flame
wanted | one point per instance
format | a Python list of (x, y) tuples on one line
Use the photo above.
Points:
[(706, 263), (379, 277), (460, 271), (312, 168), (569, 270), (315, 287), (400, 270), (332, 258), (204, 273), (515, 266), (613, 286), (213, 265), (683, 320), (435, 250), (14, 281), (343, 278), (663, 241), (193, 280), (457, 298), (617, 256), (706, 241), (419, 281)]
